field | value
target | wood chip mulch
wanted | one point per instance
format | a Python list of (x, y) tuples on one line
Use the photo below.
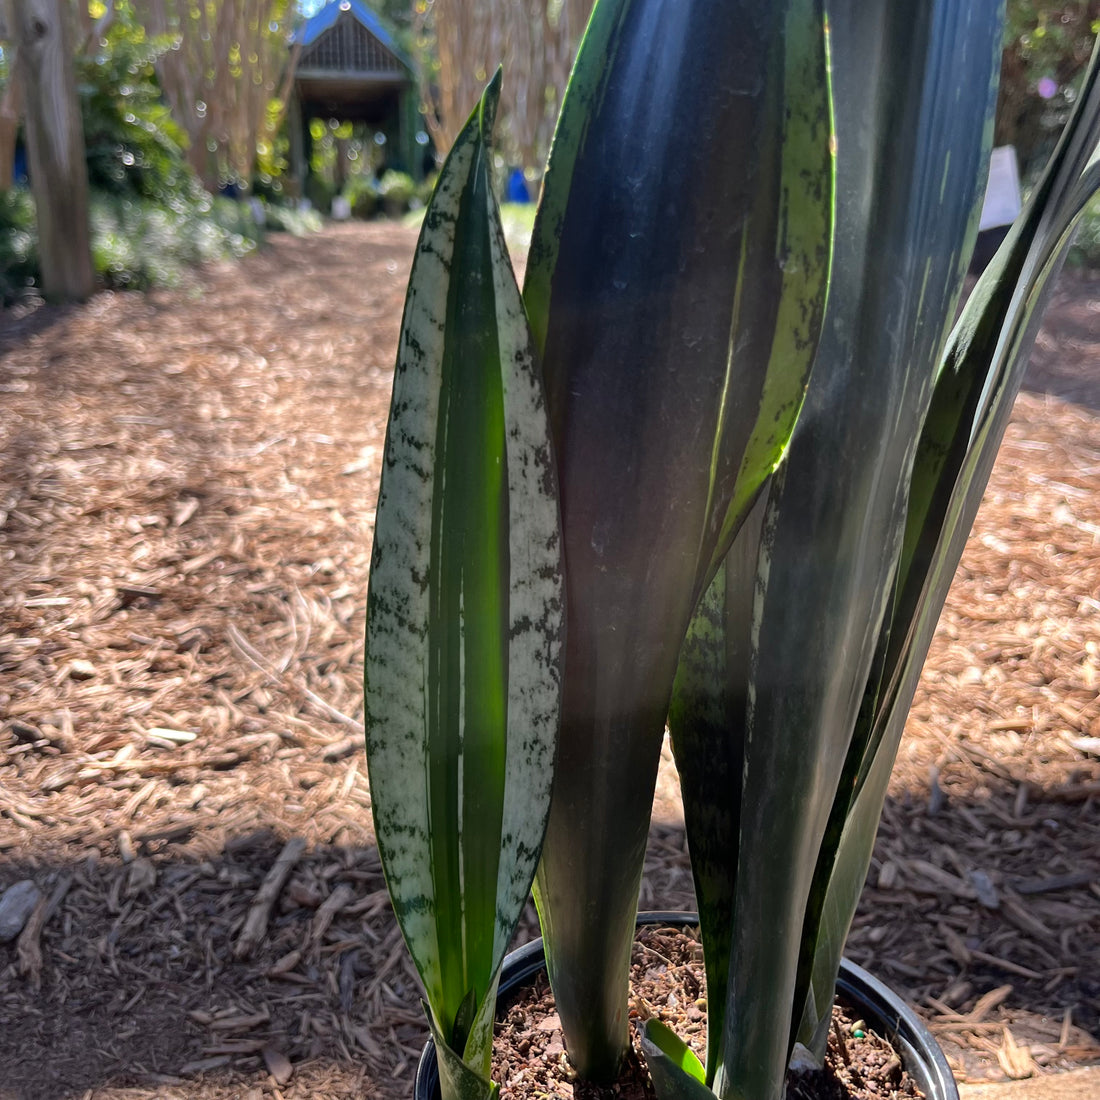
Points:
[(187, 484)]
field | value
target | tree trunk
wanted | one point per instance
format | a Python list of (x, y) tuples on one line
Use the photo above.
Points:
[(55, 147), (534, 39), (220, 76)]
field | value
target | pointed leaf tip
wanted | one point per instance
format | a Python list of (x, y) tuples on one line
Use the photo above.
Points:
[(487, 108)]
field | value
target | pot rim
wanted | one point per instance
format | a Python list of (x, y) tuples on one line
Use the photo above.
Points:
[(885, 1011)]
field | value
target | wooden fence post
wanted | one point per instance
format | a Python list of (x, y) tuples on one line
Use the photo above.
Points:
[(55, 147)]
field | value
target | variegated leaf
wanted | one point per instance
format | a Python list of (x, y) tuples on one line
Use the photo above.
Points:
[(464, 625)]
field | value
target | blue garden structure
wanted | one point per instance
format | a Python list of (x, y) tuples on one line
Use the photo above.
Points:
[(351, 69)]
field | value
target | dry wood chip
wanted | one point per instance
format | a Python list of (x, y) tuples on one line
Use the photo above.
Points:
[(240, 1022), (286, 963), (340, 749), (278, 1065), (255, 925), (235, 1046), (328, 909), (165, 738), (1007, 965), (954, 943), (204, 1065), (987, 1002), (142, 876), (81, 669), (184, 511), (940, 879), (1014, 1059), (1020, 916), (28, 947)]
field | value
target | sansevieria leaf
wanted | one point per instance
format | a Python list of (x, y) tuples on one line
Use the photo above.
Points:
[(465, 612), (676, 283), (706, 720), (706, 716), (795, 619), (977, 381), (677, 1073)]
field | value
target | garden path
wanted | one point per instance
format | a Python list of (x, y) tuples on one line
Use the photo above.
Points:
[(187, 484)]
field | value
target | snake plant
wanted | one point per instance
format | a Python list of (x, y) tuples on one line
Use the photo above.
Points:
[(676, 284), (464, 616), (773, 940), (727, 434)]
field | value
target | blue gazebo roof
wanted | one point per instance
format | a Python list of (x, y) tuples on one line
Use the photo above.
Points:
[(325, 18)]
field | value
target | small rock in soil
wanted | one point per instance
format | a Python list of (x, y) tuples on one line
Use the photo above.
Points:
[(278, 1065), (16, 906)]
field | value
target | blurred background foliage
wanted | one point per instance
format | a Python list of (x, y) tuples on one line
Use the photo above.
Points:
[(184, 105), (133, 145), (1046, 47)]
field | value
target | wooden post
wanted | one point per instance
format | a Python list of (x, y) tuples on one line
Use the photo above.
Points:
[(55, 147), (408, 122), (296, 124)]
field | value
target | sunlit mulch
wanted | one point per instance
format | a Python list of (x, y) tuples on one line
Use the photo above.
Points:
[(187, 485)]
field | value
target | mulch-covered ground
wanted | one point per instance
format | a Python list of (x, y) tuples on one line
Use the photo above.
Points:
[(187, 485)]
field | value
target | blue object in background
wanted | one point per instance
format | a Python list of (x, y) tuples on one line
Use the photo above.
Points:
[(516, 191)]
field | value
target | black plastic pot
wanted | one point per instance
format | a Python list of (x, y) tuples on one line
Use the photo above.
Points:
[(882, 1009)]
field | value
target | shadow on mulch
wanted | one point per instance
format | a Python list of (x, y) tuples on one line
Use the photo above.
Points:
[(983, 912), (21, 322), (144, 976), (142, 982)]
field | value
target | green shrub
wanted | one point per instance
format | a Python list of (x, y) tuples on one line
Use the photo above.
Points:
[(133, 146), (362, 192), (320, 193), (396, 190), (137, 245), (268, 188), (18, 245), (290, 219)]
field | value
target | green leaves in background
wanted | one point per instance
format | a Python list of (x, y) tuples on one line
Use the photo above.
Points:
[(675, 282), (464, 618)]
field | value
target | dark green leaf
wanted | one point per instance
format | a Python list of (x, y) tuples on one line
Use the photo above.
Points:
[(706, 720), (913, 100), (678, 271), (976, 385)]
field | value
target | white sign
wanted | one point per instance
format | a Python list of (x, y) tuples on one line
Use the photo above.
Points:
[(1002, 194)]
